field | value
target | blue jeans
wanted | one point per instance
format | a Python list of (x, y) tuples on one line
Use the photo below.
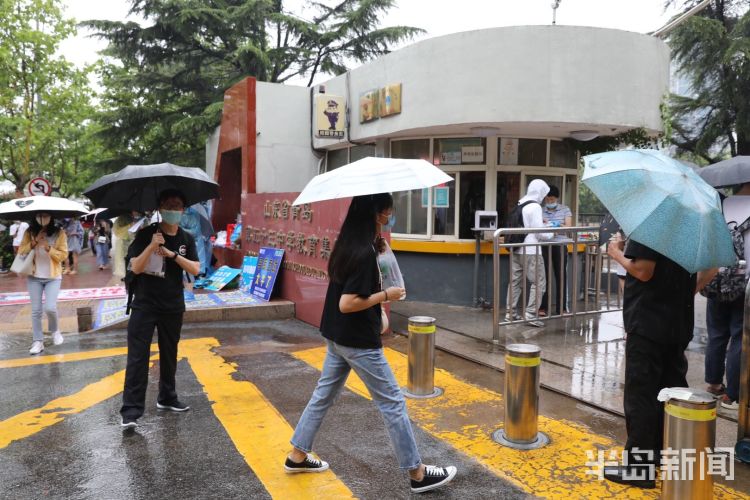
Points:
[(102, 254), (371, 366), (724, 325), (50, 287)]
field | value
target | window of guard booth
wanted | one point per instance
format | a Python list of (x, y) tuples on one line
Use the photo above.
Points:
[(562, 154), (532, 152), (361, 151), (411, 215), (443, 208), (470, 199), (459, 151), (508, 194), (336, 158)]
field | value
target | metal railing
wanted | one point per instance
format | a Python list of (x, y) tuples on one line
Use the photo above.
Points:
[(593, 261)]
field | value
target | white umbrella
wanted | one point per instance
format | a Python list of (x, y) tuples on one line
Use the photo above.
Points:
[(371, 176), (27, 208)]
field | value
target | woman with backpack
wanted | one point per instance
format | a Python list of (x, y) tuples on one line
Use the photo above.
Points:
[(50, 245), (351, 325)]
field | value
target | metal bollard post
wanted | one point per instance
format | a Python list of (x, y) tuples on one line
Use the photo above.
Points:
[(689, 434), (522, 362), (421, 354)]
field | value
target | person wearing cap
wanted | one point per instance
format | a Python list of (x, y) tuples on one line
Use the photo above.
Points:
[(159, 304)]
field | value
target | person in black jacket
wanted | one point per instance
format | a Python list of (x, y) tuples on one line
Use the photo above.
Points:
[(158, 256), (351, 325), (658, 314)]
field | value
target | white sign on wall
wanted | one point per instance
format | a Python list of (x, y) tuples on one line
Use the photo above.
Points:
[(472, 154), (508, 151)]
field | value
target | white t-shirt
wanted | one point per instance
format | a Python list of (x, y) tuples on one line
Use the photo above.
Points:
[(737, 209), (42, 263), (19, 234)]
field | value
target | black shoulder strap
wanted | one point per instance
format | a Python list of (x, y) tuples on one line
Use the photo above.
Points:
[(526, 203)]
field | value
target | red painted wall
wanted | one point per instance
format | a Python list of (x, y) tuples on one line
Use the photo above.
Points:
[(306, 234)]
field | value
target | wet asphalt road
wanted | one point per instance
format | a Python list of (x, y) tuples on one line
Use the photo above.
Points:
[(191, 455)]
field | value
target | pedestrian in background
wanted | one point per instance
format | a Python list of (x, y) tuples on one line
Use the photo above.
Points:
[(555, 214), (74, 233), (102, 242), (158, 303), (50, 246), (351, 325), (123, 238), (529, 257), (17, 230), (724, 319)]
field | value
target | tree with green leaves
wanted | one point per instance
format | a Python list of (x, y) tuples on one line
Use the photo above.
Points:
[(45, 102), (165, 80), (712, 50)]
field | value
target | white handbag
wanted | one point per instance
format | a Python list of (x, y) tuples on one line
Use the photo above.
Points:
[(23, 264)]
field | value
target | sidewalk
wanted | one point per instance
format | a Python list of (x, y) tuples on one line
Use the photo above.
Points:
[(17, 318)]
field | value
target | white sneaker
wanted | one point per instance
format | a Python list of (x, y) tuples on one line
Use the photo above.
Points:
[(57, 338), (36, 347)]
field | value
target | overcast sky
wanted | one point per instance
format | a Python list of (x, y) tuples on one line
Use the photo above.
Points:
[(437, 17)]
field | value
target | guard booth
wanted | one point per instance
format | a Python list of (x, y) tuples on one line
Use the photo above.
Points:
[(742, 448)]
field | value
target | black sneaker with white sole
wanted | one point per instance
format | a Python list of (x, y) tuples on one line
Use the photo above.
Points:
[(309, 464), (174, 406), (128, 423), (434, 477)]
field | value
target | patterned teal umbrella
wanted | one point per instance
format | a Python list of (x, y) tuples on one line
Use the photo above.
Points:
[(662, 204)]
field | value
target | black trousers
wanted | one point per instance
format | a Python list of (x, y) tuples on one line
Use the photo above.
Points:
[(140, 332), (559, 257), (649, 367)]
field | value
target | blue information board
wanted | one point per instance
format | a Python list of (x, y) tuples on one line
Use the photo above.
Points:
[(221, 278), (248, 273), (269, 263)]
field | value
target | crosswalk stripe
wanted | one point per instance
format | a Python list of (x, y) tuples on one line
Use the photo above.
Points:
[(555, 471), (66, 357), (33, 421), (258, 430)]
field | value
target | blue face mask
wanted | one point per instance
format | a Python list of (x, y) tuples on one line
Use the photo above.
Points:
[(170, 216), (391, 222), (551, 206)]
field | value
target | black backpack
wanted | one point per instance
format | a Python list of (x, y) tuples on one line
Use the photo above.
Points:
[(729, 283), (515, 219)]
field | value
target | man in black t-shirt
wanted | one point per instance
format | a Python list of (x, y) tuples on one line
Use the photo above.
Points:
[(158, 256), (658, 313)]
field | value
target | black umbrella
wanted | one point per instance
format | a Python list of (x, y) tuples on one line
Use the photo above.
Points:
[(608, 227), (729, 172), (137, 187)]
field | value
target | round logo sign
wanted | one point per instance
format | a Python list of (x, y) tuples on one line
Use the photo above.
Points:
[(39, 187)]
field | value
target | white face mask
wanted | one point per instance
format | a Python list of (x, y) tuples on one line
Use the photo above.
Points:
[(43, 220)]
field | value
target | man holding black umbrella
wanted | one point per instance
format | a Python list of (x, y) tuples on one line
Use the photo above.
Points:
[(158, 256)]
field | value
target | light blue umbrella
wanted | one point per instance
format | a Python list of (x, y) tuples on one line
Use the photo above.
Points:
[(662, 204)]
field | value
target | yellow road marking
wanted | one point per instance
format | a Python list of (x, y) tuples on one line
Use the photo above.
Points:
[(30, 422), (68, 357), (258, 430), (555, 471)]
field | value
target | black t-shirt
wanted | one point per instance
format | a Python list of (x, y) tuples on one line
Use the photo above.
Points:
[(661, 308), (156, 294), (359, 329)]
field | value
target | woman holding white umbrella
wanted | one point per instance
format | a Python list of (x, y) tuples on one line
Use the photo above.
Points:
[(351, 325), (50, 248), (50, 245)]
